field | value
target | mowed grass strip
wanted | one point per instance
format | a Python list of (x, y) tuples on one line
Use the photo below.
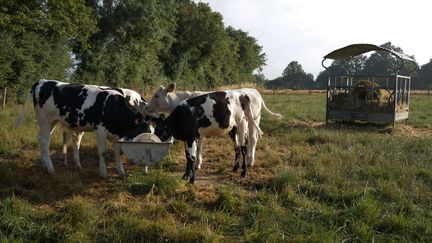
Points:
[(310, 182)]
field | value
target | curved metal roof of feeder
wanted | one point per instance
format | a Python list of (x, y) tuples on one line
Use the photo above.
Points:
[(350, 51)]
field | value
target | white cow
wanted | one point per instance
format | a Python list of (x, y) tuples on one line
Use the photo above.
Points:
[(166, 100)]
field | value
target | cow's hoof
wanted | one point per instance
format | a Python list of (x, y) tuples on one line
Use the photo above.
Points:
[(185, 176), (103, 176), (51, 171), (236, 167), (192, 180), (243, 173)]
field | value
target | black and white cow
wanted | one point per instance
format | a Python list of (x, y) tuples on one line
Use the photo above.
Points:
[(212, 114), (166, 99), (74, 138), (83, 108)]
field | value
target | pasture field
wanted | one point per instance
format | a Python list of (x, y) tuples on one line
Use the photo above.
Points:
[(310, 182)]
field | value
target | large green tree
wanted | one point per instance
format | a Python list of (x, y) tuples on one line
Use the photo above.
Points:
[(142, 42), (128, 43), (293, 77), (385, 64), (134, 35), (200, 46), (423, 79), (37, 36), (249, 54)]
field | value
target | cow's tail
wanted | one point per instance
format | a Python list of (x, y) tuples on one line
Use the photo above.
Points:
[(278, 115), (250, 118), (20, 118), (260, 132)]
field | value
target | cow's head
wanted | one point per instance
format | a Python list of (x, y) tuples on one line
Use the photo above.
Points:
[(163, 131), (142, 106), (159, 101), (141, 127)]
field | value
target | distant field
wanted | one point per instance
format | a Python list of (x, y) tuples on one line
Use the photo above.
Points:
[(311, 182)]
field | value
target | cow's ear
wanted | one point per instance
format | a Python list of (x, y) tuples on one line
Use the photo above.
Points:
[(171, 87), (138, 121)]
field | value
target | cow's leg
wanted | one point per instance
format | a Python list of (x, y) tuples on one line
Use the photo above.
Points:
[(241, 134), (76, 142), (199, 153), (101, 138), (188, 169), (234, 138), (44, 140), (252, 141), (66, 139), (117, 151), (190, 157)]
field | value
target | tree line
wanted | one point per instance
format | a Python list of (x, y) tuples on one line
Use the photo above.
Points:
[(378, 63), (123, 43)]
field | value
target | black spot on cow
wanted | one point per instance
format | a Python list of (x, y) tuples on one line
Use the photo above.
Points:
[(33, 88), (45, 92), (119, 117), (198, 110), (197, 101), (92, 115), (204, 122), (244, 101), (69, 100), (221, 112), (182, 124)]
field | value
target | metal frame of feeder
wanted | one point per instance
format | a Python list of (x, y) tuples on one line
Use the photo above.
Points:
[(398, 87)]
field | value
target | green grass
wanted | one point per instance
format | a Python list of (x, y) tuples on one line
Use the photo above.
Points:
[(310, 183)]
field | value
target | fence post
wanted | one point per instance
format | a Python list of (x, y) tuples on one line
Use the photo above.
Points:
[(4, 98)]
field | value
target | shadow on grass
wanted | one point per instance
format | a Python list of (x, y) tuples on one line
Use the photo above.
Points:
[(27, 179)]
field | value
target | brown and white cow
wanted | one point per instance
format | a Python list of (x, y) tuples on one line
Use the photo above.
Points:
[(165, 99), (211, 114), (83, 108)]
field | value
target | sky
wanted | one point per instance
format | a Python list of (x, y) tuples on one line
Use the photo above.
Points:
[(306, 30)]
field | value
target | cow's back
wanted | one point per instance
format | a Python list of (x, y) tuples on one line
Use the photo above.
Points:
[(84, 107)]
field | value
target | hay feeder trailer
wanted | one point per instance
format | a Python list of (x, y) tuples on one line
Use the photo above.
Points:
[(368, 98)]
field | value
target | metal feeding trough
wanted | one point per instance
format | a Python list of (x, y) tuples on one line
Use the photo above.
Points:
[(145, 153)]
